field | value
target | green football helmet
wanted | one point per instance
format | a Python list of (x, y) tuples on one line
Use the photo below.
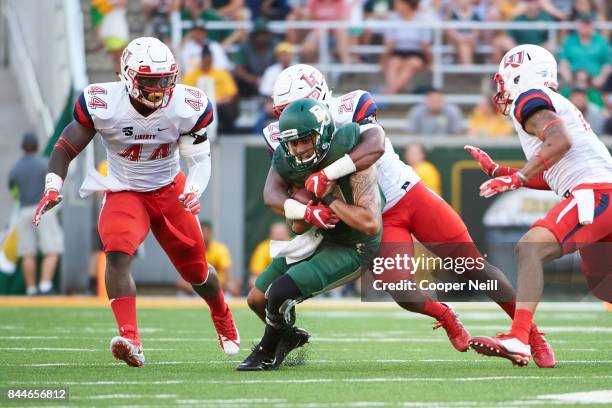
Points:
[(303, 120)]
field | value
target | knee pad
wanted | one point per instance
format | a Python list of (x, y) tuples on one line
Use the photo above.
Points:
[(194, 272)]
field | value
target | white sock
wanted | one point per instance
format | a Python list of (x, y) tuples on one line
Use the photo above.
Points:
[(31, 290), (45, 286)]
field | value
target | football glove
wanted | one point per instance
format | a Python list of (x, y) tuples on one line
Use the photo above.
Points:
[(500, 185), (484, 160), (191, 202), (321, 216), (317, 183), (51, 198)]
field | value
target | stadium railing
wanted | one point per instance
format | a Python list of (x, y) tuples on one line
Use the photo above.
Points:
[(438, 67)]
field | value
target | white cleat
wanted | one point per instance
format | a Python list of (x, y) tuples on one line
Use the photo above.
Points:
[(503, 345), (227, 333), (124, 350)]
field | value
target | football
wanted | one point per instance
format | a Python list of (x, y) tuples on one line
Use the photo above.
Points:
[(303, 196)]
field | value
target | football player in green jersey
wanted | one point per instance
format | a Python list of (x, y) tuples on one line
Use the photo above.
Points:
[(351, 209)]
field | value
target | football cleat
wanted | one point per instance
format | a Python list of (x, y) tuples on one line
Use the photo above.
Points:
[(124, 349), (456, 332), (503, 345), (294, 338), (258, 360), (541, 351), (227, 332)]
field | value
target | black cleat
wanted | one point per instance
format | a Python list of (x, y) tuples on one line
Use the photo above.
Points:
[(258, 360), (293, 339)]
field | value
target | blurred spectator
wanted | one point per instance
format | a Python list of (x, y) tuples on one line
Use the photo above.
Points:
[(191, 50), (464, 40), (435, 117), (608, 126), (485, 121), (378, 9), (218, 256), (585, 50), (532, 13), (266, 117), (326, 10), (109, 17), (582, 80), (157, 17), (218, 10), (260, 259), (499, 11), (269, 9), (581, 7), (559, 9), (226, 91), (592, 113), (284, 57), (27, 181), (406, 49), (415, 156), (252, 59)]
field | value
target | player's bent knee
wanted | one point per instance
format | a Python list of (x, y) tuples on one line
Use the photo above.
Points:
[(539, 243), (256, 299), (118, 260), (194, 272)]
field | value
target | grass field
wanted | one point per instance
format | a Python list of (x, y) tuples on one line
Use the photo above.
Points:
[(358, 356)]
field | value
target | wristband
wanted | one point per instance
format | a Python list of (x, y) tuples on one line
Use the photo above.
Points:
[(521, 176), (340, 168), (328, 199), (294, 210), (543, 160), (53, 182)]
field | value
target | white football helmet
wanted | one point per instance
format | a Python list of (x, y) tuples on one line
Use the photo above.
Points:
[(298, 82), (148, 71), (523, 67)]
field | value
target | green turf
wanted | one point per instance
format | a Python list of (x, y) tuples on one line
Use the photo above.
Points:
[(360, 358)]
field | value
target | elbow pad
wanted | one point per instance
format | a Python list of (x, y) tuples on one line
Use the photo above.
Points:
[(197, 157)]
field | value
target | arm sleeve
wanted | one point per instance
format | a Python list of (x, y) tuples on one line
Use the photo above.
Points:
[(81, 113), (530, 102), (197, 157)]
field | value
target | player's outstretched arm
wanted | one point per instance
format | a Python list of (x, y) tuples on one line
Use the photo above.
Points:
[(197, 157), (365, 215), (72, 141), (370, 148), (494, 169), (556, 141), (276, 192)]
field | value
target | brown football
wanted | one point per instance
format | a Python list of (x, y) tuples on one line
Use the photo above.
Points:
[(303, 196)]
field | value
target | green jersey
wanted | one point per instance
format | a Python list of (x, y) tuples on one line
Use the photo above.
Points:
[(342, 141)]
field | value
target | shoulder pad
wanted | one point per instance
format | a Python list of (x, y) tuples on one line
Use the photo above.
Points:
[(529, 102), (271, 135), (98, 103), (191, 107), (356, 106)]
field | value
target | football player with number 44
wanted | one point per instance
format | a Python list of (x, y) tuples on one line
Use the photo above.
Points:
[(565, 156), (147, 122)]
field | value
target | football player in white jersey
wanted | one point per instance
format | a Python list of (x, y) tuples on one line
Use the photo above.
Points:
[(565, 156), (411, 208), (147, 122)]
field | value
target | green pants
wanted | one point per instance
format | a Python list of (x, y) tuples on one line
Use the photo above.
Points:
[(331, 265)]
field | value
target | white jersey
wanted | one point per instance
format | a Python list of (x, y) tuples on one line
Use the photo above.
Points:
[(142, 152), (587, 161), (394, 176)]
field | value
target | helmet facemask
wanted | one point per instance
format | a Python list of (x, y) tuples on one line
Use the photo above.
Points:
[(502, 99), (153, 90), (301, 156)]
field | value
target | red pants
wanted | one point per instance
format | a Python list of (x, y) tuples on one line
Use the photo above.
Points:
[(433, 222), (594, 241), (127, 216)]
